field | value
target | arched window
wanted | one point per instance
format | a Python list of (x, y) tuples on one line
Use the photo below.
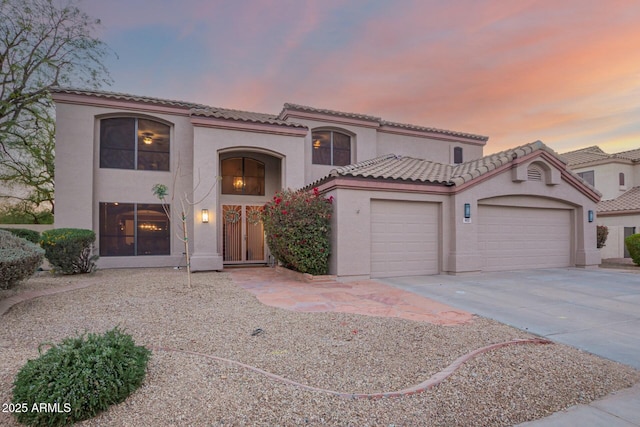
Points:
[(132, 143), (457, 155), (330, 148), (621, 179), (243, 175)]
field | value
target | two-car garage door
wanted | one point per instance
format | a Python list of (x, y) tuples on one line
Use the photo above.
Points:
[(404, 238), (512, 238)]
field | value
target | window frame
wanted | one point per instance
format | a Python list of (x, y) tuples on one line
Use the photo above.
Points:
[(243, 159), (136, 236), (135, 144), (458, 152), (585, 176), (332, 148)]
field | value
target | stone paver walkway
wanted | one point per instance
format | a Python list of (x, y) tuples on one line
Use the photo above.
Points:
[(366, 297)]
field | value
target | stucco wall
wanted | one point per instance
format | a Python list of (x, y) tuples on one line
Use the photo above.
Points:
[(614, 246), (278, 152), (425, 148), (606, 178)]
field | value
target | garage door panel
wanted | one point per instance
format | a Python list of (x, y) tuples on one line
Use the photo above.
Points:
[(512, 238), (404, 238)]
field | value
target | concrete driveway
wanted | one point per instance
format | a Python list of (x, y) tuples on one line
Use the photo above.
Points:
[(594, 310)]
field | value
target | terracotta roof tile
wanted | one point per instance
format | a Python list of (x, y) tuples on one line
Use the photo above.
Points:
[(436, 130), (631, 155), (380, 121), (627, 201), (290, 106), (195, 109), (411, 169), (594, 154), (245, 116), (126, 97)]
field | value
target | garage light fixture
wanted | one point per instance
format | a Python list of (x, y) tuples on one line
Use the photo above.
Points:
[(205, 216), (590, 216), (467, 210)]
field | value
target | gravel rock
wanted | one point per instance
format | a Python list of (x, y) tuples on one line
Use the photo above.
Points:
[(335, 351)]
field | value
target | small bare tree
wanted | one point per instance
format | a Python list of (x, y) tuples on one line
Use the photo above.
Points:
[(186, 204)]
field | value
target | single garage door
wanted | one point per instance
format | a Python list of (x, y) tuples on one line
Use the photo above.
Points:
[(512, 238), (404, 238)]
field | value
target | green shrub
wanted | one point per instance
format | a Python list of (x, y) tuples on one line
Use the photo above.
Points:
[(70, 250), (602, 234), (19, 259), (30, 235), (80, 377), (297, 226), (633, 246)]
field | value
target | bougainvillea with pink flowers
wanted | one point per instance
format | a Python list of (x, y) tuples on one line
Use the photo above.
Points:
[(297, 225)]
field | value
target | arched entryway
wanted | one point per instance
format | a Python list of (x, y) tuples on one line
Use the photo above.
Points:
[(248, 180)]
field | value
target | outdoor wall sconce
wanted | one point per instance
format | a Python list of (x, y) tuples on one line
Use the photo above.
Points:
[(467, 210), (205, 216), (590, 216)]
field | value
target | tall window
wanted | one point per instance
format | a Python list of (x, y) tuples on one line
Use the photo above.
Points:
[(243, 175), (330, 148), (129, 229), (621, 179), (588, 176), (131, 143), (457, 155)]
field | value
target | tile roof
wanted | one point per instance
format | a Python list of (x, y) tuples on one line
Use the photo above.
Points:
[(298, 107), (436, 130), (195, 109), (126, 97), (595, 153), (245, 116), (627, 201), (633, 155), (380, 121), (418, 170)]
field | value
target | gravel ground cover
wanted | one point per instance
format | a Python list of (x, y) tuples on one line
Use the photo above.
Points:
[(336, 351)]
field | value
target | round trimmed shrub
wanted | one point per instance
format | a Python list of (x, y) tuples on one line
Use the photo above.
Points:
[(79, 378), (19, 259), (30, 235), (70, 250), (633, 246)]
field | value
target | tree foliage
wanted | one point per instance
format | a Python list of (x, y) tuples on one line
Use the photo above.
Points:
[(43, 44)]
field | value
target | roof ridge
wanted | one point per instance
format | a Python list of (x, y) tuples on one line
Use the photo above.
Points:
[(433, 129)]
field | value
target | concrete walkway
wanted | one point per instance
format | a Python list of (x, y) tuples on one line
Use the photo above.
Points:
[(594, 310)]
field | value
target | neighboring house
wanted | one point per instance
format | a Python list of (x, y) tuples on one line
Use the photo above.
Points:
[(617, 177), (407, 199)]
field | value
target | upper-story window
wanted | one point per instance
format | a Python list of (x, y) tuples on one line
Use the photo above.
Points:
[(588, 176), (621, 179), (457, 155), (132, 143), (330, 148), (243, 175)]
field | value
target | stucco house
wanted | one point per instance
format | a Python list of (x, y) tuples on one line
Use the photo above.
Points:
[(617, 177), (407, 199)]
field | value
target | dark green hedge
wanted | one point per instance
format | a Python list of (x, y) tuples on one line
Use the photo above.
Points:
[(19, 259), (633, 246), (30, 235), (70, 250)]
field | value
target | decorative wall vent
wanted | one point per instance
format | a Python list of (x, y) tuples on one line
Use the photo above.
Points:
[(534, 173)]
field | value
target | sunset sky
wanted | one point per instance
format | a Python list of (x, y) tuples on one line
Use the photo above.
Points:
[(564, 72)]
